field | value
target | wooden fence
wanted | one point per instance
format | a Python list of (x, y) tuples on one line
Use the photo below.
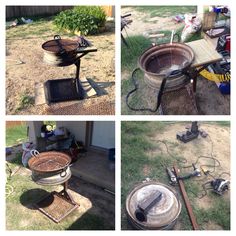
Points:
[(27, 11), (10, 124)]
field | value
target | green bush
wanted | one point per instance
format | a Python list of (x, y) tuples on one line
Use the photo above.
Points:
[(87, 19)]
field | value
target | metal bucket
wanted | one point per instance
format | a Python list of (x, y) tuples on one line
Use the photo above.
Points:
[(160, 60), (162, 216)]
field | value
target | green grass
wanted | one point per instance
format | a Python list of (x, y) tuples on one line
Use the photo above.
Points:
[(165, 11), (135, 145), (39, 27), (25, 194), (137, 164), (16, 135), (129, 56), (42, 27), (219, 214), (223, 123), (25, 102)]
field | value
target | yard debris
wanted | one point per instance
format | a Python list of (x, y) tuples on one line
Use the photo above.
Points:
[(26, 21), (12, 23), (17, 62), (179, 18), (8, 151), (27, 147), (192, 25)]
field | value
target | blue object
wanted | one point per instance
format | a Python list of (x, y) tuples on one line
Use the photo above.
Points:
[(49, 134), (217, 9), (224, 88), (8, 151), (111, 154)]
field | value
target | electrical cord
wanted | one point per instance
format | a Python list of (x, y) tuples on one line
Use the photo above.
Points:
[(216, 163)]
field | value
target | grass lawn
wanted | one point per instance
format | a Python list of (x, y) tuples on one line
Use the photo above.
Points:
[(16, 134), (26, 193), (165, 11), (138, 164), (40, 27)]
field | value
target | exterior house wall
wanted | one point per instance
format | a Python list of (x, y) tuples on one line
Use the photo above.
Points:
[(34, 130), (103, 134), (78, 128)]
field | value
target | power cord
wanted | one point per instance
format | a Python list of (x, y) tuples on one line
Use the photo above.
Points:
[(216, 163)]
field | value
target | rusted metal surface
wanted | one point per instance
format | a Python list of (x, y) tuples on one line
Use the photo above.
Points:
[(60, 52), (187, 202), (57, 46), (163, 215), (56, 206), (49, 162), (50, 168), (160, 60)]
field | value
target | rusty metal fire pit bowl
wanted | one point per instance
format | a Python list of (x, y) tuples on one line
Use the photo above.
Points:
[(60, 52), (153, 206), (160, 60), (50, 168)]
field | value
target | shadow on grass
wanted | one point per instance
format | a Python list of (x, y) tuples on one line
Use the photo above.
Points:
[(95, 222), (32, 196)]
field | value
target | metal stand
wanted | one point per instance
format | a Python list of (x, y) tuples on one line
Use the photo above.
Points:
[(64, 193), (56, 206), (59, 90)]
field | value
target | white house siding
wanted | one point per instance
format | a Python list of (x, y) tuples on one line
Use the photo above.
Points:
[(78, 128), (34, 130), (103, 134)]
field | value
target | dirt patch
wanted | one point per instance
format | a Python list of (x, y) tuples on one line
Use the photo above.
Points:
[(219, 137), (142, 23), (209, 99), (217, 142), (206, 204), (179, 102), (98, 65), (146, 170), (212, 226)]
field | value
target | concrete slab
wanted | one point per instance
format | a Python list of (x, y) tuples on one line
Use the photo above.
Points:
[(97, 169), (39, 94)]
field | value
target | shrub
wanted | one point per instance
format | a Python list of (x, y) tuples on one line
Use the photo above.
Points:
[(86, 19)]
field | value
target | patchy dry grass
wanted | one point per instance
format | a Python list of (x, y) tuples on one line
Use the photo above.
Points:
[(144, 157)]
